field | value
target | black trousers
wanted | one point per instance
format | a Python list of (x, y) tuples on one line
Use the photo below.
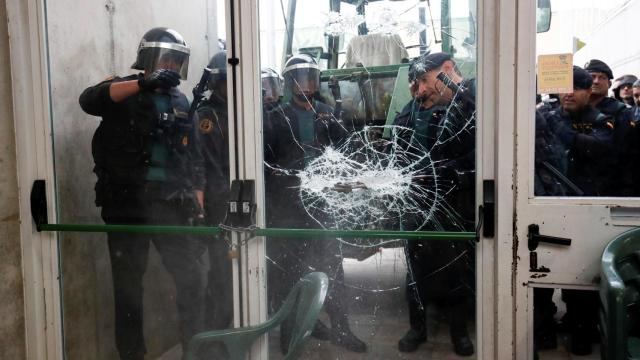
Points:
[(219, 292), (582, 312), (439, 271), (129, 254)]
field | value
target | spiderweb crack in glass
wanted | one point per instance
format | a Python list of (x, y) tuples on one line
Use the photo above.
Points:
[(382, 22), (360, 182), (338, 24), (367, 181)]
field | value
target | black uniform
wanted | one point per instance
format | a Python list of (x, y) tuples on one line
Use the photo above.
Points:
[(214, 132), (588, 139), (443, 270), (621, 181), (550, 161), (148, 166)]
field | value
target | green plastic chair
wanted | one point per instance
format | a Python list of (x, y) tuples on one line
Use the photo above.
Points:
[(309, 294), (619, 292)]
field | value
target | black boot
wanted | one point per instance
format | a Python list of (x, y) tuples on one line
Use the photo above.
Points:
[(321, 331), (412, 339), (460, 339), (341, 335), (462, 344)]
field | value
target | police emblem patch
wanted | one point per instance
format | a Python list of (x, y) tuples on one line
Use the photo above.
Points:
[(206, 126)]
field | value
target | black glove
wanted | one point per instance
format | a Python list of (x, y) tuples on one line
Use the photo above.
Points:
[(161, 78)]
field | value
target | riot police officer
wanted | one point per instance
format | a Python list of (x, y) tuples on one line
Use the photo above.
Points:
[(442, 122), (149, 171), (271, 88), (623, 88), (214, 132), (620, 182), (271, 106), (299, 131), (586, 135)]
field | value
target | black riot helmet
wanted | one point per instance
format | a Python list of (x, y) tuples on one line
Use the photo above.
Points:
[(218, 67), (301, 75), (163, 48), (271, 86)]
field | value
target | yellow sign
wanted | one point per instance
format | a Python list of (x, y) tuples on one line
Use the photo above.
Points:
[(555, 74)]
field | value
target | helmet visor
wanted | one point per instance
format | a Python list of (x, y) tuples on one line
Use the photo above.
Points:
[(271, 88), (302, 78), (164, 58), (218, 78)]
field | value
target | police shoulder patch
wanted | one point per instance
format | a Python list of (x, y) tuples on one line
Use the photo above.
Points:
[(206, 126)]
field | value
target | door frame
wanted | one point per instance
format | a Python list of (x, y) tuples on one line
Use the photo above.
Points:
[(497, 97), (34, 152)]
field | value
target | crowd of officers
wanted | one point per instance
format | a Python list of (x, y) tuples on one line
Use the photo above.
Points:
[(162, 161), (440, 120), (587, 141), (587, 144)]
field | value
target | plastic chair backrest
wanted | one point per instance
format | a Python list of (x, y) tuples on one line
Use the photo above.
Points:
[(617, 268), (307, 296)]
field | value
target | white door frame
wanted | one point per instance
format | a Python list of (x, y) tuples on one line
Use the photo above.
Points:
[(497, 97), (31, 115)]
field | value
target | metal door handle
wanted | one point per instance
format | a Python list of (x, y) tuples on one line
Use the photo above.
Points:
[(535, 238)]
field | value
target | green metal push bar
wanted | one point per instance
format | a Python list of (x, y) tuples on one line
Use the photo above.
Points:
[(303, 233)]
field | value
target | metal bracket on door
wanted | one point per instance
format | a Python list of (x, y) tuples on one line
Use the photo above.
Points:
[(534, 239), (39, 203)]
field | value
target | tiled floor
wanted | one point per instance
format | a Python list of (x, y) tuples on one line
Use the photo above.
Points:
[(378, 316)]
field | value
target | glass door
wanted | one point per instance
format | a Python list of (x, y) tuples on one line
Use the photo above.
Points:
[(369, 132), (141, 148)]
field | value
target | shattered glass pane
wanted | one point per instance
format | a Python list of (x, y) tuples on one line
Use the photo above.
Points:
[(338, 23), (374, 129)]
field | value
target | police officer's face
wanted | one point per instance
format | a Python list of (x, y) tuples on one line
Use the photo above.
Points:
[(636, 95), (432, 91), (170, 61), (575, 101), (601, 84), (270, 91), (626, 92), (304, 86)]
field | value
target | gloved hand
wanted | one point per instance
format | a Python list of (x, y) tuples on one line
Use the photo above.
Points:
[(161, 78)]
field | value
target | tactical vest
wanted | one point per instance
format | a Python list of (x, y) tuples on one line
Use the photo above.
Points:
[(121, 145)]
